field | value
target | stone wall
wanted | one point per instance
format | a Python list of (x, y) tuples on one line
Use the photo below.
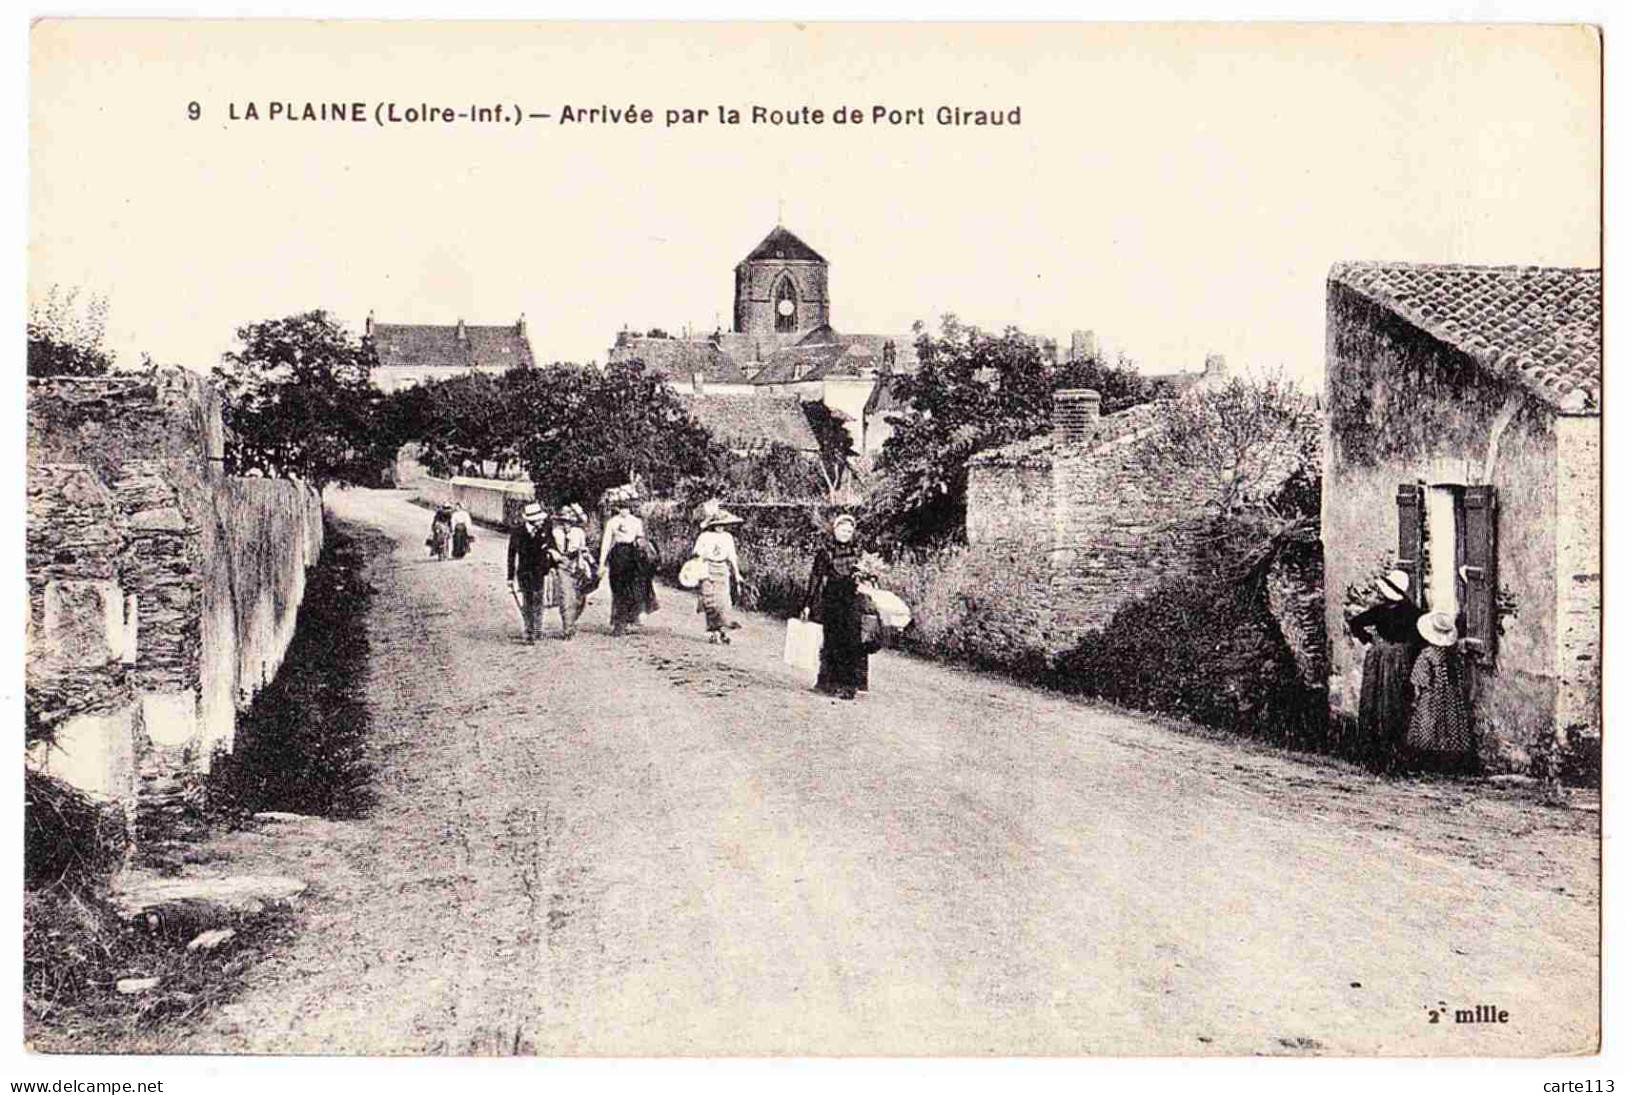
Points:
[(162, 592), (1008, 502), (82, 717), (495, 502), (1579, 576), (1120, 529), (755, 282)]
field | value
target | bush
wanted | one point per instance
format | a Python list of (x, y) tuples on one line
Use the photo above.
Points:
[(776, 547), (66, 836), (981, 605), (1205, 649)]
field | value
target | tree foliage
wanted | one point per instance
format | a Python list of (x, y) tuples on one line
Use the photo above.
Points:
[(1119, 383), (973, 390), (297, 400), (1256, 445), (576, 430), (65, 336)]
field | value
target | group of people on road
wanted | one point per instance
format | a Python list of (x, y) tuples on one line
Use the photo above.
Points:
[(1413, 704), (551, 566), (451, 532)]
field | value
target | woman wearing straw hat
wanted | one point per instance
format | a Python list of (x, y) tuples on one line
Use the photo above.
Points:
[(832, 600), (1385, 682), (1441, 731), (715, 546), (629, 586)]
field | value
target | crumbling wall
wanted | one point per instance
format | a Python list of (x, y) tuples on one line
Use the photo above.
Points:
[(82, 718), (162, 592)]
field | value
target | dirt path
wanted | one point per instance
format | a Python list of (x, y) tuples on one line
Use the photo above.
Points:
[(650, 845)]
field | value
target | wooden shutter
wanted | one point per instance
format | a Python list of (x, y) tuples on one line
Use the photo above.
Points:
[(1478, 572), (1410, 536)]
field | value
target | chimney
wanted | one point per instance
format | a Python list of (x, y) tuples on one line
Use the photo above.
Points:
[(1214, 367), (1083, 346), (369, 322), (699, 381), (519, 328), (1077, 416), (462, 332)]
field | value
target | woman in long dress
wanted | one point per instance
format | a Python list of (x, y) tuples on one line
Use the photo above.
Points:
[(1441, 730), (630, 584), (1385, 682), (716, 548), (832, 600)]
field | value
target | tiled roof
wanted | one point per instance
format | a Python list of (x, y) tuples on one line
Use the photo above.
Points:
[(417, 345), (680, 358), (1541, 326), (825, 353), (883, 398), (781, 243), (753, 421)]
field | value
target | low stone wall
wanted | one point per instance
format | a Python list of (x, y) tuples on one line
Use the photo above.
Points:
[(162, 592), (495, 502)]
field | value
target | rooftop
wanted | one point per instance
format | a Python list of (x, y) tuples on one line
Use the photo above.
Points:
[(783, 244), (1538, 325), (419, 345), (753, 421)]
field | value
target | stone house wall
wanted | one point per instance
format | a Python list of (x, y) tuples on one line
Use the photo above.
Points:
[(1579, 575)]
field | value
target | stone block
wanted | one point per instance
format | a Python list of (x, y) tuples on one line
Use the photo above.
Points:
[(83, 623), (170, 718), (95, 753)]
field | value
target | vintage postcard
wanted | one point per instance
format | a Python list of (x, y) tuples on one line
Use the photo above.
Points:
[(704, 539)]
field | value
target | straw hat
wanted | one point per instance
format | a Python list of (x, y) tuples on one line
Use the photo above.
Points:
[(1437, 628), (719, 518), (1395, 585), (534, 511), (843, 519)]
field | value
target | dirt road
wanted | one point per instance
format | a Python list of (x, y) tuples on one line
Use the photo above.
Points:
[(651, 845)]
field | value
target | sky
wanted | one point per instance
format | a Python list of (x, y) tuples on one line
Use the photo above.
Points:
[(1179, 190)]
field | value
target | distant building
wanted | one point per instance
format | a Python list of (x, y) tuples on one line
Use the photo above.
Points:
[(782, 343), (412, 354), (1463, 445)]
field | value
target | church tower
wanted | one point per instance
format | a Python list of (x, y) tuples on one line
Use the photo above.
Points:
[(781, 289)]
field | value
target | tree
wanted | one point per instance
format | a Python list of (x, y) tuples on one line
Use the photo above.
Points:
[(1256, 446), (973, 390), (835, 450), (586, 430), (1120, 384), (65, 340), (297, 400)]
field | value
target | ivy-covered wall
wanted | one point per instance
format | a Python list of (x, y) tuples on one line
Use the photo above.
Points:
[(1403, 407)]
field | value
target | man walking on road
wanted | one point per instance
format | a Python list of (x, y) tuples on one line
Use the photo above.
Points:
[(528, 563)]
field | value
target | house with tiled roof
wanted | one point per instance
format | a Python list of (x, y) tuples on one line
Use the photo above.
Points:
[(416, 353), (782, 342), (754, 423), (1463, 446)]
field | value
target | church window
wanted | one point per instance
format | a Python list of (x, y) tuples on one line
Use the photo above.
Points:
[(784, 305)]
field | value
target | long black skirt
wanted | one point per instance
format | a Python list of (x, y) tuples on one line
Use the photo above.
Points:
[(1385, 701), (843, 664), (631, 589)]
